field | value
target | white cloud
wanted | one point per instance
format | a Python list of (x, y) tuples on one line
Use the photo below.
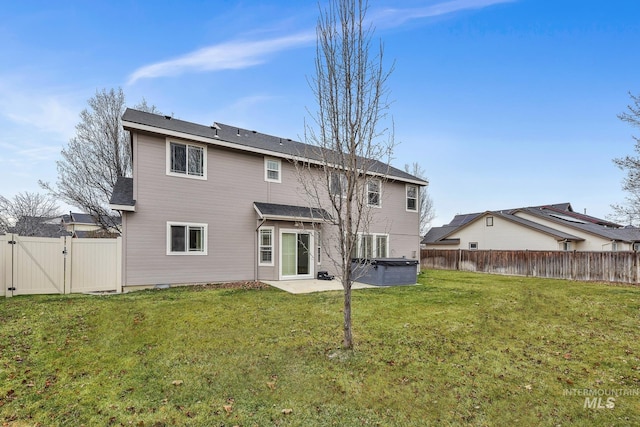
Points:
[(249, 53), (389, 18), (223, 56), (40, 111)]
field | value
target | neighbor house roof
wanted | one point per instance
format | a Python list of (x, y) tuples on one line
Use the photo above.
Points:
[(246, 140), (38, 227), (437, 236), (84, 218), (440, 235), (561, 214)]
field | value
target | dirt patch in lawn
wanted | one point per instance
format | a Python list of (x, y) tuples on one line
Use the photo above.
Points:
[(252, 284)]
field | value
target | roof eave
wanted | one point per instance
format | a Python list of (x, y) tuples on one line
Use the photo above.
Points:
[(126, 208)]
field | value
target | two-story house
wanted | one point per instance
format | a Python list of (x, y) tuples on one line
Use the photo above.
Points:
[(220, 203)]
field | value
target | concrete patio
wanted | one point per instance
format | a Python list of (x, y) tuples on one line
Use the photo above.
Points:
[(307, 286)]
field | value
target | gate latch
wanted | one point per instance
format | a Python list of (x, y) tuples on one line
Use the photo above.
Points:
[(11, 289), (12, 242)]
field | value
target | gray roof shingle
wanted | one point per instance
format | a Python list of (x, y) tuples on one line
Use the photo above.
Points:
[(123, 192), (273, 210), (248, 139)]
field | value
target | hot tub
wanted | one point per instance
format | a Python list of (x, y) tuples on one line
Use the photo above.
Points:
[(385, 271)]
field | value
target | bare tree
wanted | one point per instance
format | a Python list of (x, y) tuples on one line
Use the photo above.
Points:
[(425, 204), (95, 158), (28, 214), (350, 89), (630, 211)]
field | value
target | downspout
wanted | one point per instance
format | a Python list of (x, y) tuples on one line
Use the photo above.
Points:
[(255, 248)]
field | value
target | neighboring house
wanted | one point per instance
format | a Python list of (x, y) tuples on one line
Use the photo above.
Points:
[(83, 225), (30, 226), (220, 203), (547, 227)]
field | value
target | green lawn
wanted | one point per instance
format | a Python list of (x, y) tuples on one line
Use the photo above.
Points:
[(458, 349)]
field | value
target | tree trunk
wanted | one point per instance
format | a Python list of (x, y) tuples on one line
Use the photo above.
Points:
[(348, 335)]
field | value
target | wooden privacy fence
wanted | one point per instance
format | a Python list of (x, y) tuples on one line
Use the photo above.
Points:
[(620, 267), (43, 265)]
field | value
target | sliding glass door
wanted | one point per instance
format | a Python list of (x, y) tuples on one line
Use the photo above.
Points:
[(295, 254)]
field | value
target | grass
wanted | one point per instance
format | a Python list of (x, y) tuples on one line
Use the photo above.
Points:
[(458, 349)]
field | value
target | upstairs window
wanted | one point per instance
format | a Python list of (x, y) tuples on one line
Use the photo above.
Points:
[(186, 160), (338, 184), (412, 198), (373, 192), (489, 221), (272, 168)]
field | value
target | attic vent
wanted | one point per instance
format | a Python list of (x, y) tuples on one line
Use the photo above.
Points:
[(167, 117)]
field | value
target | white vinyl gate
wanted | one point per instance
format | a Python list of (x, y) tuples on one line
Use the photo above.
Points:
[(43, 265)]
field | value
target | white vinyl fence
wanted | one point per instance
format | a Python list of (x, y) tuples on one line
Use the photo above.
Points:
[(44, 265)]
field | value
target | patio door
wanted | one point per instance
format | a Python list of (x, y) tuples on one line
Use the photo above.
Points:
[(296, 249)]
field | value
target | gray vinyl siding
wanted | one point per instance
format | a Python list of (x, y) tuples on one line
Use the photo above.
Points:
[(235, 180)]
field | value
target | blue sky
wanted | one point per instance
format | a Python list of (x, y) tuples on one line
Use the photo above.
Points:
[(504, 103)]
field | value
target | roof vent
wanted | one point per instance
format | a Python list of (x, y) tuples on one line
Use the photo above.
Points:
[(238, 132), (167, 117)]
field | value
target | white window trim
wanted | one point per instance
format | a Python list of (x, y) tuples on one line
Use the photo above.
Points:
[(312, 263), (471, 246), (406, 197), (266, 169), (379, 205), (205, 231), (186, 175), (273, 255), (374, 243)]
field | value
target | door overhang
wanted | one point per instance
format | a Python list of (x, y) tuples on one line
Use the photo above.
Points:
[(277, 212)]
